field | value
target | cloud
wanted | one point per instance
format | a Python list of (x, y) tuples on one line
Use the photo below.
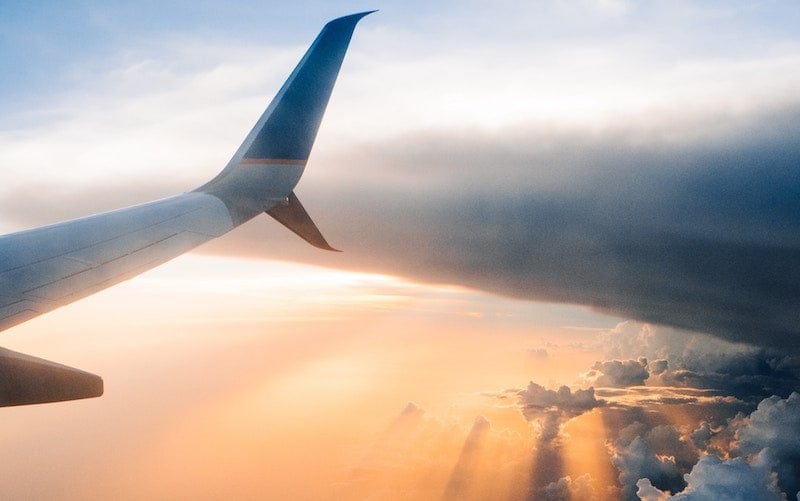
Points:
[(702, 435), (537, 399), (738, 415), (658, 452), (770, 434), (638, 460), (743, 458), (646, 492), (549, 410), (567, 488), (690, 360), (618, 373), (713, 478)]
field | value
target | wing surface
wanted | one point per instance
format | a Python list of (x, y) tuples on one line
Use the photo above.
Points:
[(47, 267)]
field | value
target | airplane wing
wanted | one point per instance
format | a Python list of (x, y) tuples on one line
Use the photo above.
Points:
[(44, 268)]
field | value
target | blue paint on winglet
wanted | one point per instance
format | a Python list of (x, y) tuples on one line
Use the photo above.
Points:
[(293, 118)]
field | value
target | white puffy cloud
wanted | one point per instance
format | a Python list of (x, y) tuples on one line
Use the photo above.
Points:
[(771, 433), (638, 460), (773, 424), (729, 480), (762, 448), (646, 491)]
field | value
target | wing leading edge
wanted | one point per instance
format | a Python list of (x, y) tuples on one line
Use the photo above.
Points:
[(51, 266)]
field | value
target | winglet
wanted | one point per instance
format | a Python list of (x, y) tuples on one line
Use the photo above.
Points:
[(270, 161), (293, 118), (286, 130), (293, 215)]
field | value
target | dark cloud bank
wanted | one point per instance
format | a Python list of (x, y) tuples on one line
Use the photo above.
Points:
[(695, 227)]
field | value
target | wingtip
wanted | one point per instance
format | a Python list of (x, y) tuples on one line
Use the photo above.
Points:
[(363, 14), (353, 18)]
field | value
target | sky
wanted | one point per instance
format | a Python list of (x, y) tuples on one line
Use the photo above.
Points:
[(571, 242)]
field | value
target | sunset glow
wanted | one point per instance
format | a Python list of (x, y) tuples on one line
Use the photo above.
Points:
[(240, 371), (570, 259)]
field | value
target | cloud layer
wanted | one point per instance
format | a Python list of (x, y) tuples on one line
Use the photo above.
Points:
[(709, 420), (702, 236)]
